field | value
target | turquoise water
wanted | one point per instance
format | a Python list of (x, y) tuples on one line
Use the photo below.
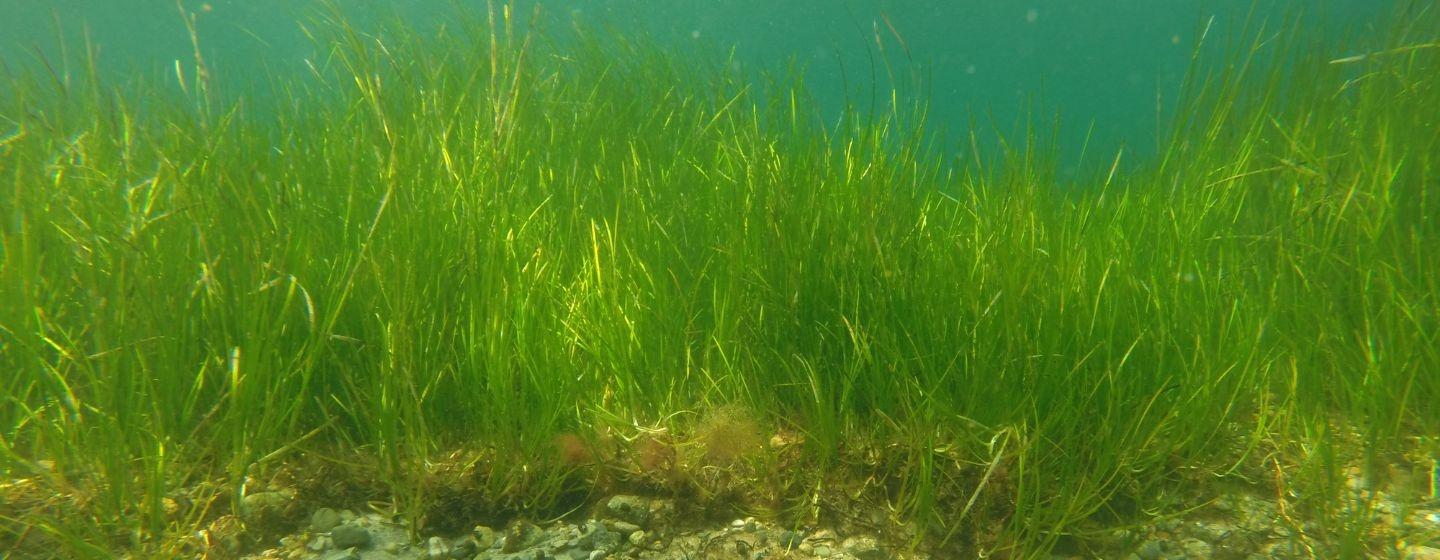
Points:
[(1111, 64)]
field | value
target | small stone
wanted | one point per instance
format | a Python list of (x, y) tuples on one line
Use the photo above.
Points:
[(347, 554), (324, 519), (1355, 479), (822, 551), (1212, 532), (598, 555), (1150, 550), (738, 523), (595, 536), (863, 548), (435, 548), (662, 513), (622, 527), (263, 503), (1196, 548), (484, 536), (791, 539), (319, 543), (346, 536), (465, 548), (632, 509), (520, 535), (639, 538)]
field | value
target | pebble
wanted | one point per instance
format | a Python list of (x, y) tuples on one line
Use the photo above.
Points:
[(261, 503), (1212, 532), (520, 535), (625, 528), (484, 536), (864, 548), (638, 527), (324, 519), (435, 548), (1151, 550), (346, 536), (1196, 548), (347, 554), (631, 509), (594, 536), (465, 548)]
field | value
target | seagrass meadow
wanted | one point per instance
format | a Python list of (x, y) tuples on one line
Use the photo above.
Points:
[(486, 272)]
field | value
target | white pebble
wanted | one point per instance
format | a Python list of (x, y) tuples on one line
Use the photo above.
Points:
[(435, 548)]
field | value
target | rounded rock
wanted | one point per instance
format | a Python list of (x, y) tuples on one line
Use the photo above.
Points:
[(260, 504), (625, 528), (520, 535), (347, 554), (484, 536), (346, 536), (863, 548), (631, 509), (324, 520), (1212, 532), (436, 549), (1196, 548), (466, 548), (1150, 550)]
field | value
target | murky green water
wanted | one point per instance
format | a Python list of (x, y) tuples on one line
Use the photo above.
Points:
[(1114, 64)]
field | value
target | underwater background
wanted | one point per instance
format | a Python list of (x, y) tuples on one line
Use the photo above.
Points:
[(1115, 64)]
